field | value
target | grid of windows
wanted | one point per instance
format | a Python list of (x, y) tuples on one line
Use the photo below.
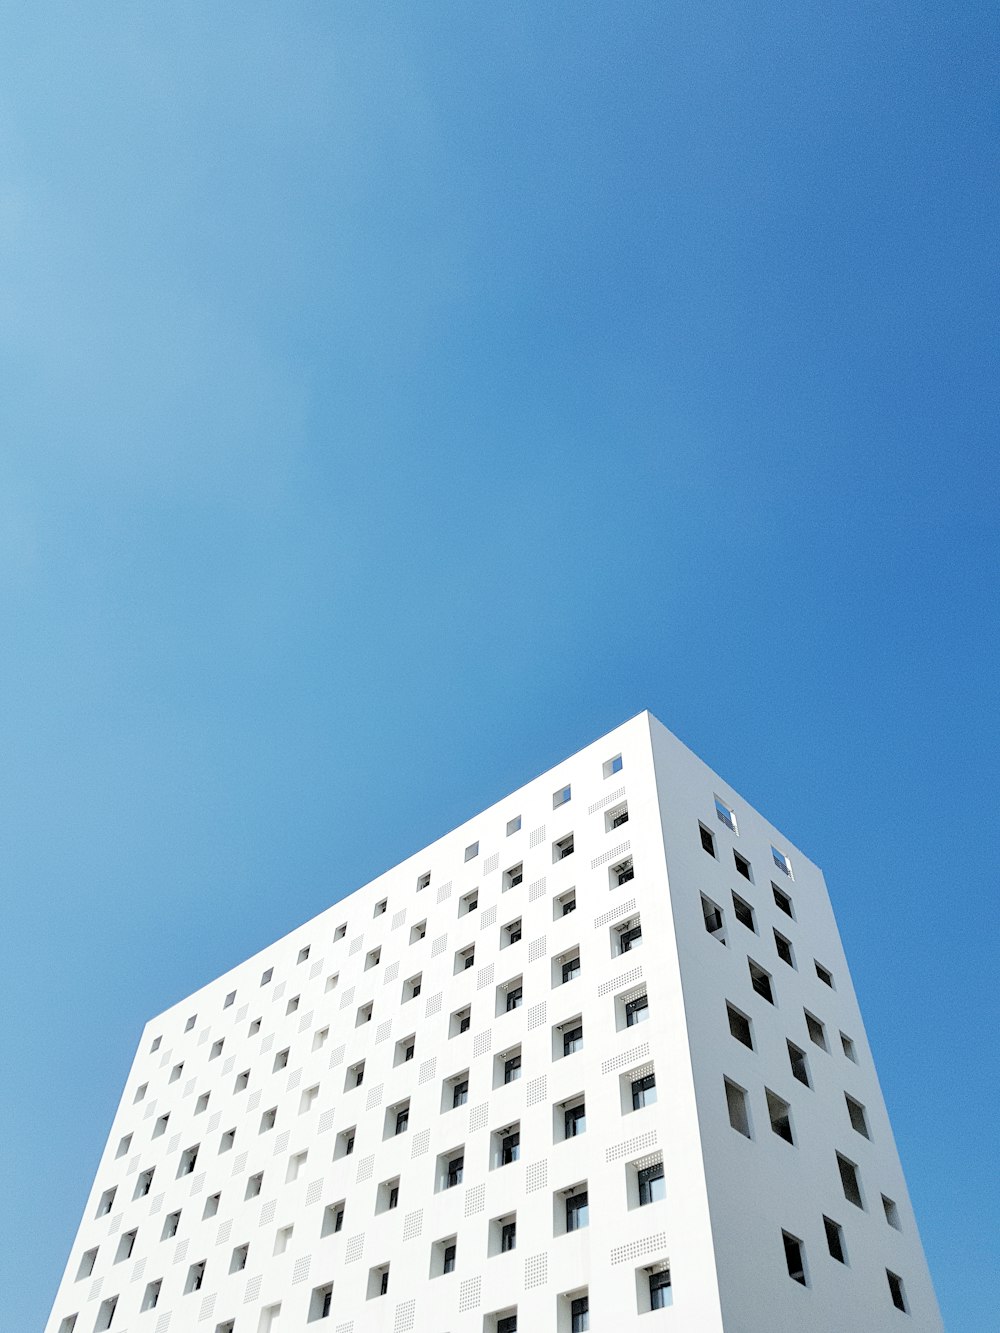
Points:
[(313, 1064)]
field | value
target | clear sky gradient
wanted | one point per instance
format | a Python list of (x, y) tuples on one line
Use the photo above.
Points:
[(395, 397)]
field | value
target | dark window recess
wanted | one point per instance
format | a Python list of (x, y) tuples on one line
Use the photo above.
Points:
[(707, 840), (794, 1258), (835, 1240), (739, 1026), (782, 900), (575, 1121), (761, 981), (797, 1060), (784, 949), (742, 865), (636, 1011), (743, 912)]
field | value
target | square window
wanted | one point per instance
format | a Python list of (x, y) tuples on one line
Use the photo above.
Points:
[(281, 1060), (891, 1213), (707, 839), (266, 976), (817, 1032), (736, 1104), (333, 1218), (612, 766), (465, 959), (512, 1068), (621, 873), (660, 1291), (782, 862), (896, 1291), (574, 1118), (510, 934), (835, 1240), (850, 1180), (460, 1021), (156, 1040), (380, 907), (577, 1211), (743, 866), (513, 877), (564, 904), (562, 848), (202, 1103), (570, 969), (123, 1145), (743, 912), (340, 932), (858, 1118), (444, 1256), (783, 948), (106, 1202), (726, 815), (739, 1026), (216, 1050), (636, 1010), (242, 1080), (468, 903), (779, 1113), (472, 851), (782, 901), (643, 1091), (170, 1224), (423, 881), (321, 1302), (849, 1048), (303, 954), (255, 1184), (513, 825), (715, 922), (572, 1039), (799, 1064), (254, 1027), (824, 974), (794, 1258), (652, 1186), (561, 797), (190, 1023), (513, 999), (626, 937), (761, 981)]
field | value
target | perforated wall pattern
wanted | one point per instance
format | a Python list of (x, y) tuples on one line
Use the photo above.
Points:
[(439, 945), (356, 944), (479, 1117), (314, 1193), (537, 836), (374, 1097), (406, 1314), (625, 1058), (444, 892), (606, 801), (391, 973), (433, 1005), (491, 863), (537, 1176), (301, 1270), (637, 1248), (253, 1290), (537, 949), (536, 890), (413, 1224), (484, 977), (427, 1070), (421, 1142), (487, 917), (536, 1270), (483, 1042), (618, 1151), (207, 1307), (398, 919), (536, 1091), (622, 909), (615, 854), (382, 1031), (470, 1294), (475, 1200), (355, 1248), (536, 1015)]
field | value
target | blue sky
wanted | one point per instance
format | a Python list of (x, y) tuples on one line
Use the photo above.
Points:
[(395, 398)]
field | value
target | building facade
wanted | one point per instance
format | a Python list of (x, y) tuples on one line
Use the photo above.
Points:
[(592, 1060)]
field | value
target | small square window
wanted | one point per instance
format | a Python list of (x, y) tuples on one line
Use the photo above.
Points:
[(160, 1127), (743, 866), (779, 1113), (423, 881), (254, 1027), (707, 839), (380, 907), (783, 948), (472, 851), (513, 825), (715, 922), (570, 969), (561, 797), (572, 1039), (303, 954), (106, 1202), (562, 848), (238, 1260), (578, 1210), (190, 1023), (824, 974), (242, 1080), (321, 1302), (564, 904), (372, 959), (743, 912), (511, 933), (850, 1180), (835, 1240), (726, 815), (761, 981), (782, 862), (817, 1032), (858, 1118), (170, 1225), (896, 1291), (513, 877), (652, 1185), (891, 1213), (229, 1000), (281, 1060), (616, 817), (799, 1064), (333, 1218), (418, 932), (332, 981), (612, 766), (660, 1290), (156, 1042), (216, 1050), (849, 1048), (782, 901), (643, 1091), (794, 1258), (123, 1145), (176, 1072), (736, 1104), (340, 932), (468, 903), (739, 1026), (255, 1184), (460, 1021), (266, 976)]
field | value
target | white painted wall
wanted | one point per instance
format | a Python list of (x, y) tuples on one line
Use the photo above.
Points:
[(724, 1196)]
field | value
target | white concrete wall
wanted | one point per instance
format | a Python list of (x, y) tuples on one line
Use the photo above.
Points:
[(609, 1256), (761, 1186)]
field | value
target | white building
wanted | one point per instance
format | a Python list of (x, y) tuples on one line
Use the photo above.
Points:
[(592, 1060)]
